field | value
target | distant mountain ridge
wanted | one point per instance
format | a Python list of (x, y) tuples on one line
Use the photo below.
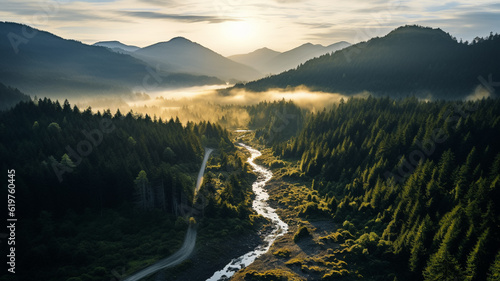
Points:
[(185, 56), (272, 62), (50, 65), (117, 46), (410, 60), (257, 59)]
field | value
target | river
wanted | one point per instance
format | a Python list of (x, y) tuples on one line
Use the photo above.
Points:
[(261, 206)]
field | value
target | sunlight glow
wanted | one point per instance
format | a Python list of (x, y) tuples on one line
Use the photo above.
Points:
[(239, 33)]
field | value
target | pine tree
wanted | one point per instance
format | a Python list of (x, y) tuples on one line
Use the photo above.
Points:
[(443, 267)]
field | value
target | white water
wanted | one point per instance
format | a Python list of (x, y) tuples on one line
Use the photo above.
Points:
[(261, 206)]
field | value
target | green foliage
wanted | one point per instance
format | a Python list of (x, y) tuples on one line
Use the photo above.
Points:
[(420, 176), (408, 60), (275, 121), (54, 127), (84, 224), (169, 155), (66, 161), (142, 178), (302, 233), (271, 275), (494, 272), (192, 221), (443, 267), (131, 141), (283, 252)]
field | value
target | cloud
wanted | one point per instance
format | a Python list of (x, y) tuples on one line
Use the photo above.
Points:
[(175, 17), (476, 18), (466, 24), (443, 7), (288, 1), (280, 24), (159, 2), (316, 25), (387, 9)]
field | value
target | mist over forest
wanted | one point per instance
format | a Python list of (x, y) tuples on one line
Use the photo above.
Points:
[(377, 160)]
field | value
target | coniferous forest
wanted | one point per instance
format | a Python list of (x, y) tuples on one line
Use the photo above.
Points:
[(415, 185), (410, 60), (79, 175), (376, 162)]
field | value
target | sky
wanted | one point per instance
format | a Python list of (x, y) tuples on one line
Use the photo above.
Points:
[(240, 26)]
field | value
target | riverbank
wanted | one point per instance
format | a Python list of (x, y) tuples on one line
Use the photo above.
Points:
[(261, 207), (212, 256), (303, 259), (247, 247)]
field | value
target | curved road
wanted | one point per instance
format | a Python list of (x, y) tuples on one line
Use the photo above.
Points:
[(259, 204), (182, 254), (189, 241)]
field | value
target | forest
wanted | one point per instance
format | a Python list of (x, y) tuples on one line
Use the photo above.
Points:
[(413, 185), (79, 176), (409, 61)]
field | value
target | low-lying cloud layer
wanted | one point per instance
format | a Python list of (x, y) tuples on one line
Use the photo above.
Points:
[(205, 103)]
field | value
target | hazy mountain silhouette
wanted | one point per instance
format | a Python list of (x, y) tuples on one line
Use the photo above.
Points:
[(410, 60), (45, 64), (185, 56), (9, 97), (117, 46), (257, 59), (291, 59), (268, 61)]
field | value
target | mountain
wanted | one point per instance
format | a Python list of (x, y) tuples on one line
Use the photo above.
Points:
[(410, 60), (117, 46), (257, 59), (291, 59), (40, 63), (269, 61), (9, 97), (185, 56)]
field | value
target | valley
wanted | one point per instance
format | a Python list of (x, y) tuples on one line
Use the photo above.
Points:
[(157, 159)]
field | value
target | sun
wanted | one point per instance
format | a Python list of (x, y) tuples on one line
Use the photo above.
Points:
[(239, 32)]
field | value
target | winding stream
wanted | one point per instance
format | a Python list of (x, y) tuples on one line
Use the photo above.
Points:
[(261, 206)]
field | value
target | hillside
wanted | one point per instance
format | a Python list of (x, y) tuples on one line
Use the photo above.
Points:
[(382, 189), (410, 60), (257, 59), (46, 64), (83, 215), (117, 46), (9, 97), (184, 56), (293, 58), (271, 62)]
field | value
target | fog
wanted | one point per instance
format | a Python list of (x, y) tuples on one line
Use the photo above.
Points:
[(206, 103), (479, 93)]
